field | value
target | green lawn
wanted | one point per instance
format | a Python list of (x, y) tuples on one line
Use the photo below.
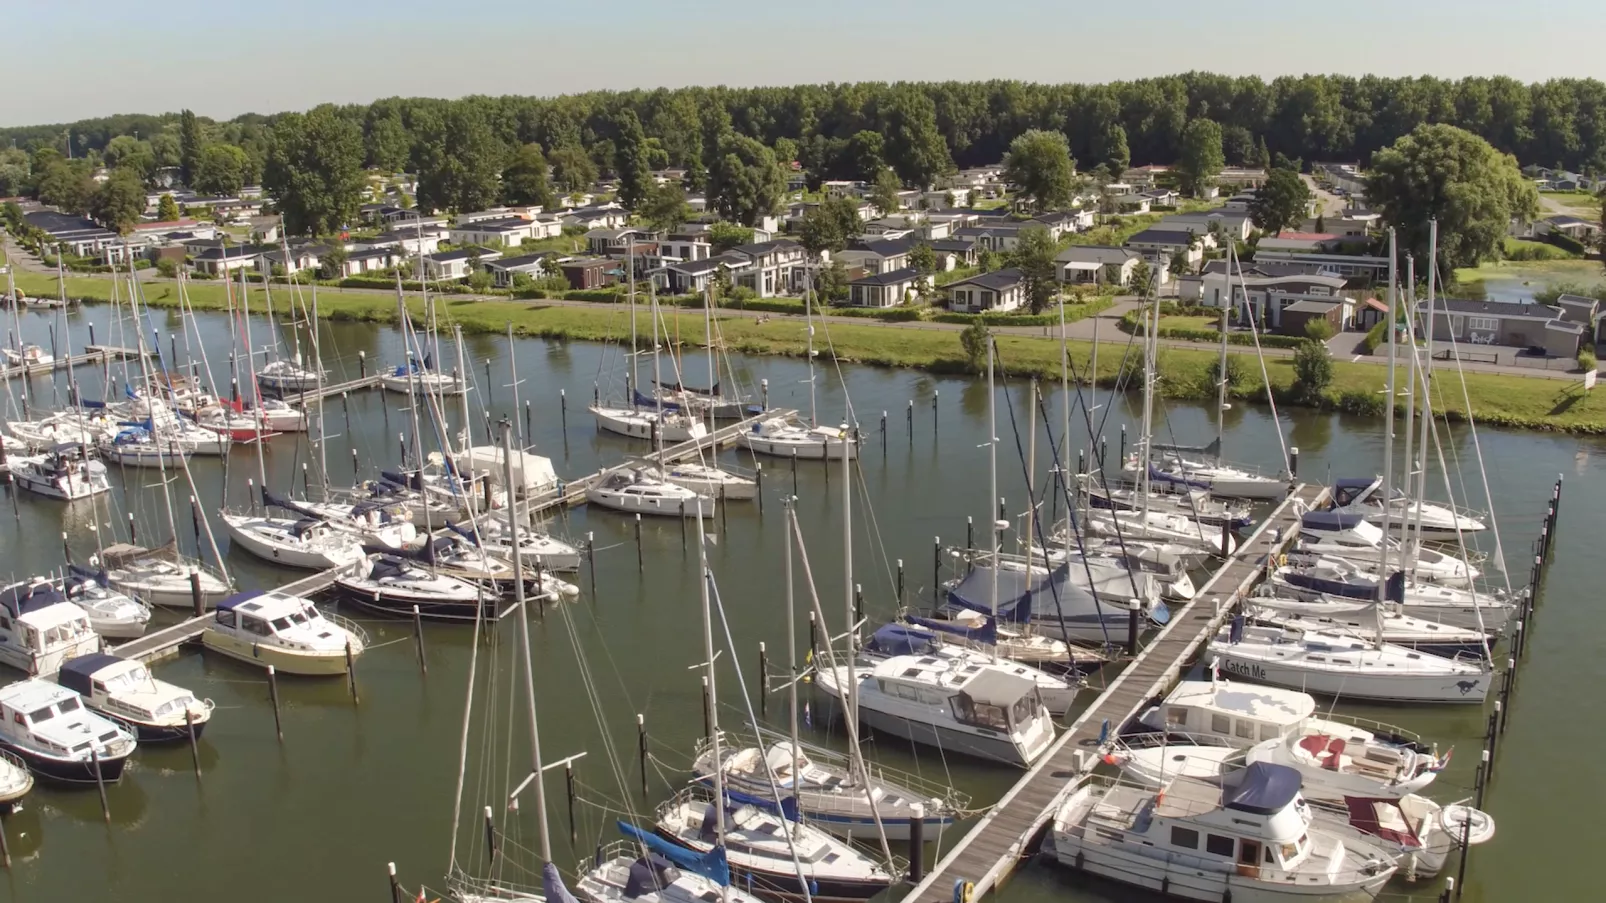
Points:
[(1523, 249), (1579, 203)]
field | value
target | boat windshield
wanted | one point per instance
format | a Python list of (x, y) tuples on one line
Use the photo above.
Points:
[(44, 714), (280, 624), (69, 705), (306, 615), (969, 711), (1024, 709)]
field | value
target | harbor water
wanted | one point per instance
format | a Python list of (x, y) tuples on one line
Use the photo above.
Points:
[(357, 784)]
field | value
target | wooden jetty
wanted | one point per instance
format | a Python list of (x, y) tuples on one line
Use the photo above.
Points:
[(329, 390), (93, 354), (1010, 830), (165, 642)]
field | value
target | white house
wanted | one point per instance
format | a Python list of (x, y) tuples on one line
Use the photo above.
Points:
[(774, 267), (504, 269), (1236, 224), (997, 291), (369, 260), (511, 232), (1097, 264), (680, 246), (1163, 244), (458, 264), (876, 256), (596, 217), (219, 261), (887, 289)]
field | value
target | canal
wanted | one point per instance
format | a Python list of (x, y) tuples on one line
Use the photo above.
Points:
[(354, 786)]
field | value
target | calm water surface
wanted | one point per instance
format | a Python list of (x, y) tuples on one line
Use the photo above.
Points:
[(355, 786)]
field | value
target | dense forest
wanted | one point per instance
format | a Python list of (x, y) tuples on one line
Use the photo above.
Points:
[(1312, 117)]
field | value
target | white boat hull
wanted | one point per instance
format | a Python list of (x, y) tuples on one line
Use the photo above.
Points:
[(642, 424), (817, 450), (1462, 689), (263, 544)]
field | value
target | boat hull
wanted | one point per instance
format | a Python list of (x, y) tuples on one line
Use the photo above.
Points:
[(67, 771), (638, 504), (804, 451), (998, 748), (1469, 689), (247, 539), (284, 661), (778, 885)]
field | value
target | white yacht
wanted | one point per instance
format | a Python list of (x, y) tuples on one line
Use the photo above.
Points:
[(623, 872), (532, 545), (1061, 603), (391, 585), (301, 542), (647, 423), (766, 848), (112, 614), (1160, 526), (975, 708), (158, 711), (642, 489), (408, 378), (1195, 504), (1058, 693), (1422, 833), (1175, 469), (286, 377), (1336, 664), (1441, 523), (712, 481), (65, 472), (28, 357), (279, 416), (160, 576), (1385, 625), (267, 627), (134, 446), (977, 631), (788, 438), (1350, 536), (15, 780), (64, 428), (1249, 837), (40, 629), (1350, 584), (828, 796), (48, 727)]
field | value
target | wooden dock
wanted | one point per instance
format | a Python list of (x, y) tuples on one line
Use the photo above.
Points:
[(166, 642), (93, 354), (1010, 830), (326, 392)]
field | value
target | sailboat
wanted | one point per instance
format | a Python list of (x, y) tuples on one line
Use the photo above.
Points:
[(705, 475), (645, 417), (1348, 535), (787, 437)]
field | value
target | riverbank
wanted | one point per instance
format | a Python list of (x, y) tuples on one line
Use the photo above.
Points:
[(1496, 399)]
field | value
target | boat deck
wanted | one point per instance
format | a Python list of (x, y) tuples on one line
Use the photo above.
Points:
[(1010, 829)]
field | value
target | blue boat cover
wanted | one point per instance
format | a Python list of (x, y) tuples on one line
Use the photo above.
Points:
[(711, 865), (20, 600), (1213, 449), (413, 480), (273, 501), (1330, 521), (1020, 594), (78, 573), (1260, 789), (1358, 590), (552, 883), (1350, 490), (788, 807), (647, 401), (1159, 476), (1394, 588), (900, 639), (986, 634), (681, 387), (76, 672), (232, 601)]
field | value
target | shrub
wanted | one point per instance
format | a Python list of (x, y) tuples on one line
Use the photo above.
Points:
[(974, 341), (1318, 329), (1376, 336), (167, 267), (1360, 402), (1565, 242), (1313, 371), (1586, 360), (1237, 372)]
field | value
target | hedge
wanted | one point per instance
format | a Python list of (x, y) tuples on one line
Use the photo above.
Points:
[(1129, 324), (1565, 242), (890, 315), (1073, 312)]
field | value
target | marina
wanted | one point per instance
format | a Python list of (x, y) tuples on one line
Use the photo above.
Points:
[(630, 620)]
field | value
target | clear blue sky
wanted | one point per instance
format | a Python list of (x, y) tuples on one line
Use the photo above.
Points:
[(70, 60)]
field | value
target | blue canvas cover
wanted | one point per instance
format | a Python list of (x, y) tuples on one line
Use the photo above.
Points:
[(1260, 789), (986, 634), (235, 600), (552, 883), (711, 865), (900, 639), (273, 501), (76, 673), (1350, 490), (1330, 521), (22, 599), (1157, 475)]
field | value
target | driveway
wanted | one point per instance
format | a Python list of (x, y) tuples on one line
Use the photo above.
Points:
[(1327, 203)]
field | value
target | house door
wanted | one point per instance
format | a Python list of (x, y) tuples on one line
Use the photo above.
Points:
[(1249, 858)]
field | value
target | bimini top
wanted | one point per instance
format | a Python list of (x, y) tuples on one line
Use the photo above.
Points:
[(77, 673), (1331, 521), (1262, 788), (901, 639), (235, 600), (26, 597), (995, 686)]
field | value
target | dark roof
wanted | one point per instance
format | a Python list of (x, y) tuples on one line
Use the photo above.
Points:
[(75, 673), (1164, 236), (503, 224), (707, 264), (953, 244), (238, 599), (1312, 306), (1563, 219), (1497, 309), (759, 249), (1260, 789), (53, 222), (891, 277), (233, 252), (886, 247), (1056, 216), (588, 263), (997, 280), (371, 254), (513, 263), (459, 254), (1271, 268)]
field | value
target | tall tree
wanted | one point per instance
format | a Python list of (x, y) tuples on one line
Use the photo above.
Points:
[(459, 162), (314, 170), (572, 169), (884, 192), (630, 160), (1262, 157), (1110, 149), (1451, 175), (829, 225), (387, 143), (525, 180), (166, 150), (1034, 256), (1281, 202), (220, 171), (166, 209), (665, 207), (119, 200), (1202, 157), (67, 184), (866, 155), (747, 183), (189, 144), (126, 150), (914, 146), (1039, 164)]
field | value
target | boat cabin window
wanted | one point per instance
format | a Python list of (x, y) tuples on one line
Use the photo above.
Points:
[(1268, 732), (1244, 729), (70, 705), (1219, 844), (254, 625), (225, 617), (44, 714), (281, 624), (1220, 724), (1176, 717), (5, 623), (305, 616), (1024, 709), (988, 716), (1187, 838)]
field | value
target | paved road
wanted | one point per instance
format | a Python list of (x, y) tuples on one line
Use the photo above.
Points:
[(1327, 203)]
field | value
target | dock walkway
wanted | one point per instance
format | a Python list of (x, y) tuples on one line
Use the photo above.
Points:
[(166, 641), (1008, 832), (93, 354)]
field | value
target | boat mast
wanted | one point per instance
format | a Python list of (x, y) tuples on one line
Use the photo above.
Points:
[(808, 321), (657, 379), (317, 370), (513, 371), (1148, 407), (1426, 376), (992, 484), (468, 425), (791, 654), (1388, 437), (630, 277), (847, 578), (713, 362), (1407, 480), (245, 317), (710, 674), (1221, 363), (150, 407), (522, 617)]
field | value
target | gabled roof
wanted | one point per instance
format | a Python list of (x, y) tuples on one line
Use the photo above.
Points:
[(998, 280), (506, 224), (514, 263), (463, 254), (884, 247), (1102, 254), (1563, 219), (953, 244), (232, 252), (761, 248), (892, 277), (1159, 236), (1508, 309)]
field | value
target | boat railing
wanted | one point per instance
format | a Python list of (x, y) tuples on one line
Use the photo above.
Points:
[(16, 760), (1380, 728), (358, 634), (953, 801), (1160, 739), (608, 852)]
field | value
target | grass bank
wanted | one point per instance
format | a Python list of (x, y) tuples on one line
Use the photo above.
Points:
[(1499, 399)]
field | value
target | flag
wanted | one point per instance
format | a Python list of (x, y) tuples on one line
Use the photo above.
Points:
[(808, 717), (421, 897)]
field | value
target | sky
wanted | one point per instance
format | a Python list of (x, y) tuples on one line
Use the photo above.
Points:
[(221, 59)]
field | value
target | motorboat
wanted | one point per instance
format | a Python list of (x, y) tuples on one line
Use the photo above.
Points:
[(976, 708), (1384, 625), (1336, 664), (394, 586), (785, 437), (712, 481), (15, 780), (1351, 586), (827, 795), (1439, 523), (1246, 836), (766, 848), (903, 639), (642, 489), (532, 545), (48, 727), (649, 423), (112, 614), (1079, 602), (287, 377), (625, 872), (161, 576), (1421, 832), (159, 712), (40, 629), (65, 472), (1347, 535), (28, 356), (268, 627)]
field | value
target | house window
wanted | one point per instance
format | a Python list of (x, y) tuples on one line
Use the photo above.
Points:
[(1482, 324), (1219, 845), (1186, 838)]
